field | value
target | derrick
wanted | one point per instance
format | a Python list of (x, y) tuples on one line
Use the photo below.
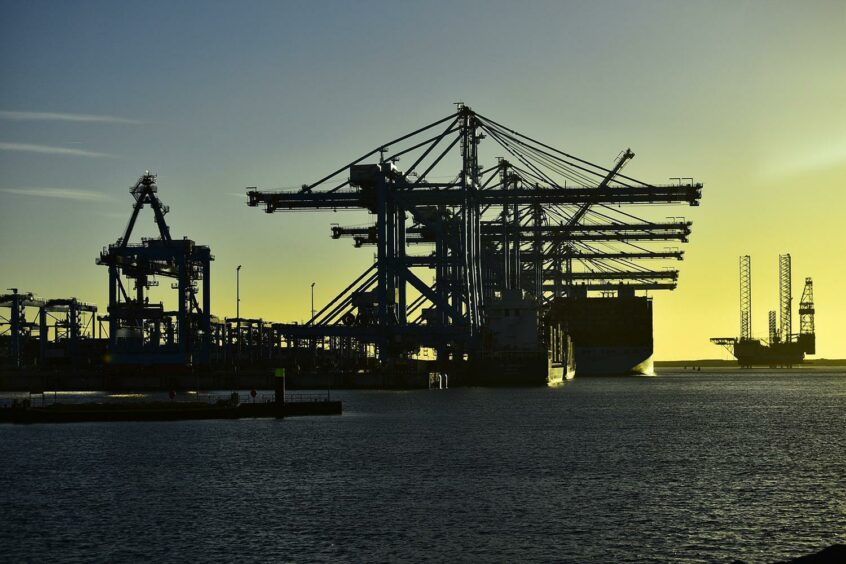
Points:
[(783, 348)]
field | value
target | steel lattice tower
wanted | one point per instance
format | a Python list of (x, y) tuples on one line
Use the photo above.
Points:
[(785, 297), (806, 309), (745, 297), (773, 327)]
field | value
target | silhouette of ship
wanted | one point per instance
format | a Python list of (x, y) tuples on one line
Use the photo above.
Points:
[(612, 335), (515, 353)]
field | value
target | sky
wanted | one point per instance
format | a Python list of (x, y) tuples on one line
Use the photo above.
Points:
[(747, 97)]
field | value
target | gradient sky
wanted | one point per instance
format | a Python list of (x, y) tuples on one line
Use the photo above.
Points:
[(747, 97)]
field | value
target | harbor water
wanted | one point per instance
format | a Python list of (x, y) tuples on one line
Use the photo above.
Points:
[(683, 467)]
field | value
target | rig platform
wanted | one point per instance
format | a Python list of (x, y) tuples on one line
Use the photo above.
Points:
[(783, 349)]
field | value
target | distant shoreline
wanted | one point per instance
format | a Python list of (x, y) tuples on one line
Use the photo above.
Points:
[(714, 362)]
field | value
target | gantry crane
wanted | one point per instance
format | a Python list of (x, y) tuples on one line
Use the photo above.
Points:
[(144, 333), (16, 329), (518, 226)]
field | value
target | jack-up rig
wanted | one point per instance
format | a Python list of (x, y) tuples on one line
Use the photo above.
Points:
[(783, 347), (528, 236)]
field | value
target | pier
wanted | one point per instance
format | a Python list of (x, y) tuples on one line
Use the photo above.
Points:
[(280, 405)]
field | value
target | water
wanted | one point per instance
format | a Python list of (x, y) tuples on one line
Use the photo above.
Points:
[(696, 467)]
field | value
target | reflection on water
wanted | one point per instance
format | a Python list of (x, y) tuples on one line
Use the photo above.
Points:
[(681, 467)]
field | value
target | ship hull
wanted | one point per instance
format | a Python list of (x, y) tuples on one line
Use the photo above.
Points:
[(612, 336), (614, 360), (520, 369), (560, 373)]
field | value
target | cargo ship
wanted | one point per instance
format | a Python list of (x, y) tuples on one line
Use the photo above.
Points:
[(516, 351), (610, 335)]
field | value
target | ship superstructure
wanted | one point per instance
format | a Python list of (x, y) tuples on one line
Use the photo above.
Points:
[(513, 353)]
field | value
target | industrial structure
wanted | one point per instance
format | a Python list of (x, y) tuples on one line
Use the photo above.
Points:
[(144, 333), (54, 333), (518, 265), (783, 348), (66, 334), (538, 222), (19, 325)]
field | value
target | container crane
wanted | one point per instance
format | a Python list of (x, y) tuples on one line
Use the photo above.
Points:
[(512, 225)]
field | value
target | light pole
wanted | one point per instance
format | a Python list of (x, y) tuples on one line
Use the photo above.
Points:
[(238, 311), (312, 302), (238, 293), (313, 341)]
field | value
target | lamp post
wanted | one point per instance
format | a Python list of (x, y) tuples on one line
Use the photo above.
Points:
[(311, 322), (238, 311), (238, 293), (312, 302)]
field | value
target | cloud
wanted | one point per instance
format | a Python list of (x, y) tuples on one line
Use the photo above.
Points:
[(59, 193), (50, 150), (52, 116), (808, 160)]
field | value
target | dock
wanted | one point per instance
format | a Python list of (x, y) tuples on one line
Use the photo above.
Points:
[(24, 412)]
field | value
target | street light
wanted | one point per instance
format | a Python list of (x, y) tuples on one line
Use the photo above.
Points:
[(312, 301), (238, 311), (238, 292)]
